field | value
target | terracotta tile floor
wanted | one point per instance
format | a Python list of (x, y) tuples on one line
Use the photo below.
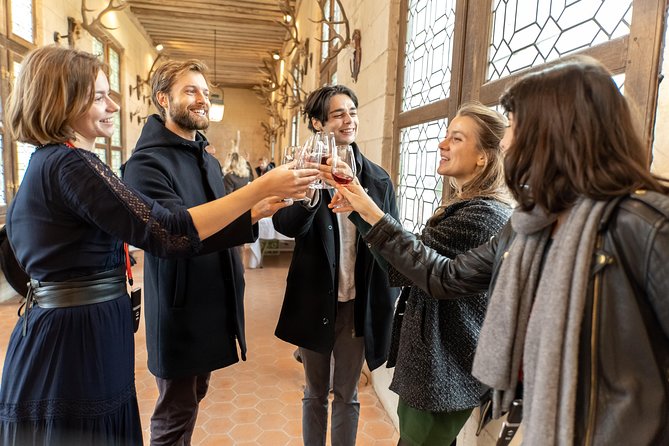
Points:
[(257, 402)]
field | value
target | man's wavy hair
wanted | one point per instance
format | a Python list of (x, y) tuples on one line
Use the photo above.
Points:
[(573, 137), (317, 104), (166, 76)]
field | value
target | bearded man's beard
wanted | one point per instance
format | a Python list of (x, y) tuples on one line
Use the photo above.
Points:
[(183, 118)]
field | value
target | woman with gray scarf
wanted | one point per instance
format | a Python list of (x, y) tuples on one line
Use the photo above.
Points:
[(577, 279)]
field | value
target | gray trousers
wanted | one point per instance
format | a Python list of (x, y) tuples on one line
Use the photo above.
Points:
[(173, 419), (349, 355)]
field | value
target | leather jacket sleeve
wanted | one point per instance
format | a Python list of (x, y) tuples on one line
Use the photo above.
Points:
[(442, 278)]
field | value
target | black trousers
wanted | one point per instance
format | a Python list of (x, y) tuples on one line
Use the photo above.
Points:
[(173, 419)]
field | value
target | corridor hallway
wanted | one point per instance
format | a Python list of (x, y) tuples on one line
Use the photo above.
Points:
[(257, 402)]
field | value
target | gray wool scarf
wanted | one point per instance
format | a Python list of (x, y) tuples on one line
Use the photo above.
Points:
[(535, 316)]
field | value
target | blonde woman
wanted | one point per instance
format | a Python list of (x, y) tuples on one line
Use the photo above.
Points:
[(436, 343), (236, 172)]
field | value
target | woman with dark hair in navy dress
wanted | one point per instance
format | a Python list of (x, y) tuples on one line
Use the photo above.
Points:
[(68, 377)]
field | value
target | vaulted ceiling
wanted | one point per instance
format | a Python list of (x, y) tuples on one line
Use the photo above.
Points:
[(242, 33)]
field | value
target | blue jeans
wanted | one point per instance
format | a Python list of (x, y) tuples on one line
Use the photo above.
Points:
[(349, 355)]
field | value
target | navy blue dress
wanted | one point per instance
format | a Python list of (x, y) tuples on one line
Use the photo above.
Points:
[(70, 379)]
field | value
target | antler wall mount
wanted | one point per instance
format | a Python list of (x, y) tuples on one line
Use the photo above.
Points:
[(112, 6)]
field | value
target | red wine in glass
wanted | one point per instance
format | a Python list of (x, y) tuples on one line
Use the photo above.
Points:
[(342, 178), (324, 159)]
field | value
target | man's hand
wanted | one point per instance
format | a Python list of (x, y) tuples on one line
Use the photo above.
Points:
[(267, 207)]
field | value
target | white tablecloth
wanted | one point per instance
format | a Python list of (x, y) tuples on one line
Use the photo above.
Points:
[(266, 231)]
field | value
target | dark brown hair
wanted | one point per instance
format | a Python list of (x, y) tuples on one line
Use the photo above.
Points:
[(167, 74), (55, 87), (573, 136), (317, 104)]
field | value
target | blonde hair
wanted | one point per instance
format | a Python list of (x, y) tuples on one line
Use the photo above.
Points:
[(488, 181), (236, 164), (167, 74), (55, 87)]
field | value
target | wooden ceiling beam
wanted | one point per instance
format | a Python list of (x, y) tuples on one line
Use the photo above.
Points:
[(178, 11), (220, 37), (245, 32)]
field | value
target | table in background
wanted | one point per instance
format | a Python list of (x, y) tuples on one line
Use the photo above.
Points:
[(270, 242)]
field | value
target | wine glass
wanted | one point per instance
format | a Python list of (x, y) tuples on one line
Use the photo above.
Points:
[(318, 148), (290, 153), (343, 164)]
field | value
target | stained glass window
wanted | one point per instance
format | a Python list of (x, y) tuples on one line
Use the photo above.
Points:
[(429, 48), (114, 71), (543, 30), (22, 19), (116, 136), (427, 79), (104, 147), (420, 186), (98, 49)]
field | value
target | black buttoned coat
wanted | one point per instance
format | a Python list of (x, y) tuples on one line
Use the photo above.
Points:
[(194, 307), (309, 308)]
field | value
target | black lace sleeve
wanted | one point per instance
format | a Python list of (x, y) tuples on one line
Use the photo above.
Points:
[(97, 195)]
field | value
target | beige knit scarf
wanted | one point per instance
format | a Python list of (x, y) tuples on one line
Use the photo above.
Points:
[(535, 315)]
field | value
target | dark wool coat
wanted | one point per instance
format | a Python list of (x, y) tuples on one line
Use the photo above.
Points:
[(309, 308), (438, 337), (194, 309)]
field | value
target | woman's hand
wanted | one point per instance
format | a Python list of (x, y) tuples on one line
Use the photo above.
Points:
[(268, 207), (353, 197), (285, 182)]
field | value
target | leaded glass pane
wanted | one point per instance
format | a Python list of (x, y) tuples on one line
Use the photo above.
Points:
[(116, 136), (420, 186), (526, 34), (114, 71), (116, 161), (98, 49), (3, 198), (429, 52), (23, 151), (22, 19)]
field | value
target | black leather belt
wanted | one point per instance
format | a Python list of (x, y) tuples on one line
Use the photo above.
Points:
[(89, 290)]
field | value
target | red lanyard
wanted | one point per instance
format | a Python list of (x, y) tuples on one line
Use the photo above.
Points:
[(69, 144), (127, 263)]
